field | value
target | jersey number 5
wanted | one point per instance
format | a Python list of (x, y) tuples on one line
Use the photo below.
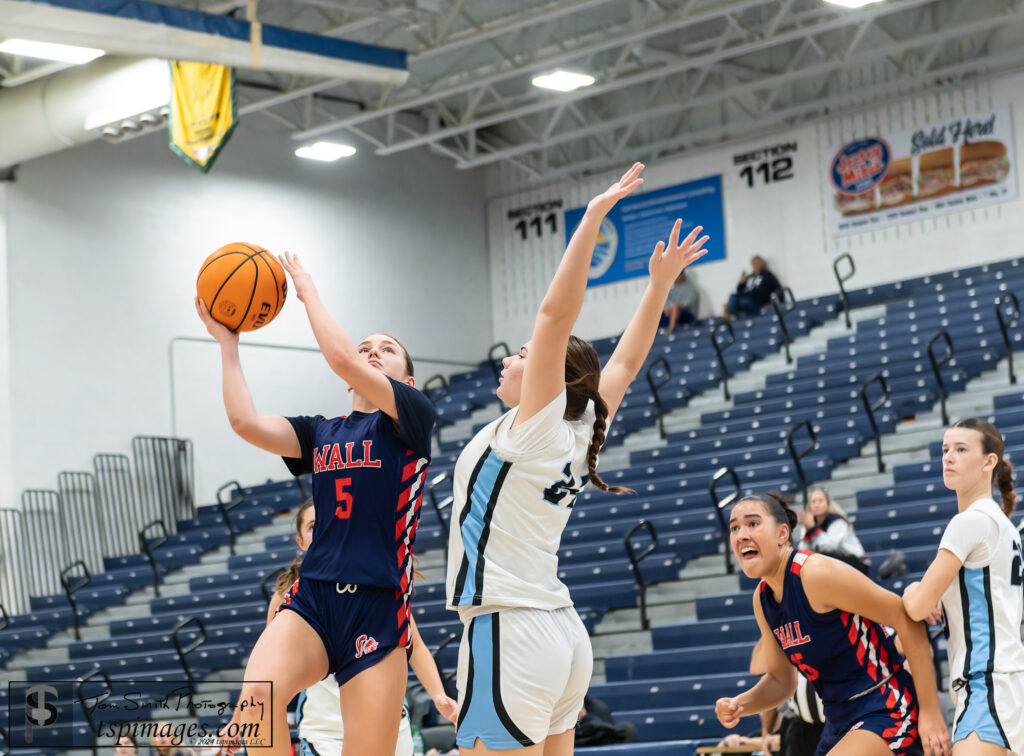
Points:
[(808, 671), (344, 509)]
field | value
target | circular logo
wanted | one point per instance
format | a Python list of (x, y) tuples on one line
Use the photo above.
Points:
[(604, 250), (859, 166), (227, 309)]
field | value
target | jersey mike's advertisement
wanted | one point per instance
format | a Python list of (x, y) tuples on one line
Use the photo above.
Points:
[(942, 166)]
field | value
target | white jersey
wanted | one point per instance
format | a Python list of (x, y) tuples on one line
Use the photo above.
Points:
[(514, 491), (984, 604)]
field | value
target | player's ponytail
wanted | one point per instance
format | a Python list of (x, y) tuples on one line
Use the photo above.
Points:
[(582, 382), (778, 508), (992, 443)]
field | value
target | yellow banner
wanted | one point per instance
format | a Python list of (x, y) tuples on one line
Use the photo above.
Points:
[(204, 111)]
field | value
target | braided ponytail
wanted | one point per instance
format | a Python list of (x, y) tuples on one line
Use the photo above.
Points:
[(1003, 478), (289, 576), (582, 383)]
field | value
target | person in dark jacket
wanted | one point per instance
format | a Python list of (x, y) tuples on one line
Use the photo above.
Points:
[(754, 291)]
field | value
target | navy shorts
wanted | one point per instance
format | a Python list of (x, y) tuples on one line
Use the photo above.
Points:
[(358, 624), (890, 712)]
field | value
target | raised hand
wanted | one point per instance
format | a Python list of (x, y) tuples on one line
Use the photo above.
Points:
[(667, 261), (302, 282), (728, 711), (605, 201), (215, 328)]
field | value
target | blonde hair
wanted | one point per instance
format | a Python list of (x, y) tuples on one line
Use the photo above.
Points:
[(833, 507)]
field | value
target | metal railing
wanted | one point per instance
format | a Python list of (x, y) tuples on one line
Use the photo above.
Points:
[(784, 303), (225, 508), (937, 363), (634, 561), (270, 579), (16, 561), (445, 679), (1005, 326), (871, 408), (184, 651), (720, 348), (118, 495), (149, 547), (72, 584), (83, 518), (46, 540), (440, 505), (436, 388), (665, 377), (88, 709), (720, 503), (165, 471), (841, 279), (797, 455)]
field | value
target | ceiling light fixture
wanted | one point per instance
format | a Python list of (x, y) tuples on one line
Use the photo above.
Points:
[(50, 51), (328, 152), (563, 81), (853, 3)]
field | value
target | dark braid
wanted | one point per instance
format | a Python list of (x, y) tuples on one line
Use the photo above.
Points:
[(582, 384)]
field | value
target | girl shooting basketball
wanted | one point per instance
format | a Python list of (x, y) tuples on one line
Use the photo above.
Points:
[(348, 614), (978, 577), (525, 659), (824, 618)]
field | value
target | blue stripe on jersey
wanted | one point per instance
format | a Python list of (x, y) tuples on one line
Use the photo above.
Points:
[(476, 527), (483, 713), (979, 713)]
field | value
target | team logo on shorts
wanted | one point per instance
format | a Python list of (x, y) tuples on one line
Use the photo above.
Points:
[(365, 645), (857, 726)]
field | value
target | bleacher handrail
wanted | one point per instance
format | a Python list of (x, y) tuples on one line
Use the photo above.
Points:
[(649, 374), (83, 518), (871, 408), (437, 659), (937, 364), (439, 506), (841, 279), (97, 700), (798, 455), (225, 508), (15, 573), (70, 589), (783, 305), (5, 618), (634, 561), (270, 577), (720, 503), (720, 348), (148, 549), (490, 358), (183, 652), (165, 474), (118, 495), (1005, 326)]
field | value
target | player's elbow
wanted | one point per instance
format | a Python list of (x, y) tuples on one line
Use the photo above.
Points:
[(915, 610), (341, 360)]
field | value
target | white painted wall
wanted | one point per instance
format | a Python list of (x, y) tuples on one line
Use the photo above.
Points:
[(5, 367), (104, 244), (784, 223)]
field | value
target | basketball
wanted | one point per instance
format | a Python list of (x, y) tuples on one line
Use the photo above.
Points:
[(243, 285)]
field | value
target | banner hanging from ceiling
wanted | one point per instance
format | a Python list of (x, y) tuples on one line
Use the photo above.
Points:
[(637, 223), (936, 167), (204, 111)]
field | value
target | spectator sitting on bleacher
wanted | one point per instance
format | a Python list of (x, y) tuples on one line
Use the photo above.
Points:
[(825, 528), (163, 742), (754, 291), (682, 304), (125, 746)]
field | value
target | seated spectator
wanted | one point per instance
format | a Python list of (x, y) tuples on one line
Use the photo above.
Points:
[(825, 528), (682, 304), (754, 291), (596, 726), (163, 742), (125, 746)]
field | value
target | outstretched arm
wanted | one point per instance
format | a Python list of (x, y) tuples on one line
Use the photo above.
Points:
[(830, 584), (272, 433), (337, 347), (544, 373), (632, 349)]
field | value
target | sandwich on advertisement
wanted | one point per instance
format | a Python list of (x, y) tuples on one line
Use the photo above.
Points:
[(898, 185), (935, 174), (983, 163)]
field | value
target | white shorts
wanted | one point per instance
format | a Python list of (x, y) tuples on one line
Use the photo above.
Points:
[(991, 706), (316, 745), (522, 676)]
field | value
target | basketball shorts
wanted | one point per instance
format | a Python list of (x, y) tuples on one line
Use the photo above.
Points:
[(991, 706), (315, 745), (889, 711), (522, 676), (358, 624)]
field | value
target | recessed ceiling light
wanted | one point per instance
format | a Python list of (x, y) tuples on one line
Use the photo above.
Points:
[(326, 151), (50, 51), (563, 81), (853, 3)]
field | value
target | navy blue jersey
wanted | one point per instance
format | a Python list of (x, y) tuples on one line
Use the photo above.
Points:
[(368, 477), (842, 655)]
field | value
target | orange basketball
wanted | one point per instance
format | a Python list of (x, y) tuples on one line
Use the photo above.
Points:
[(243, 285)]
